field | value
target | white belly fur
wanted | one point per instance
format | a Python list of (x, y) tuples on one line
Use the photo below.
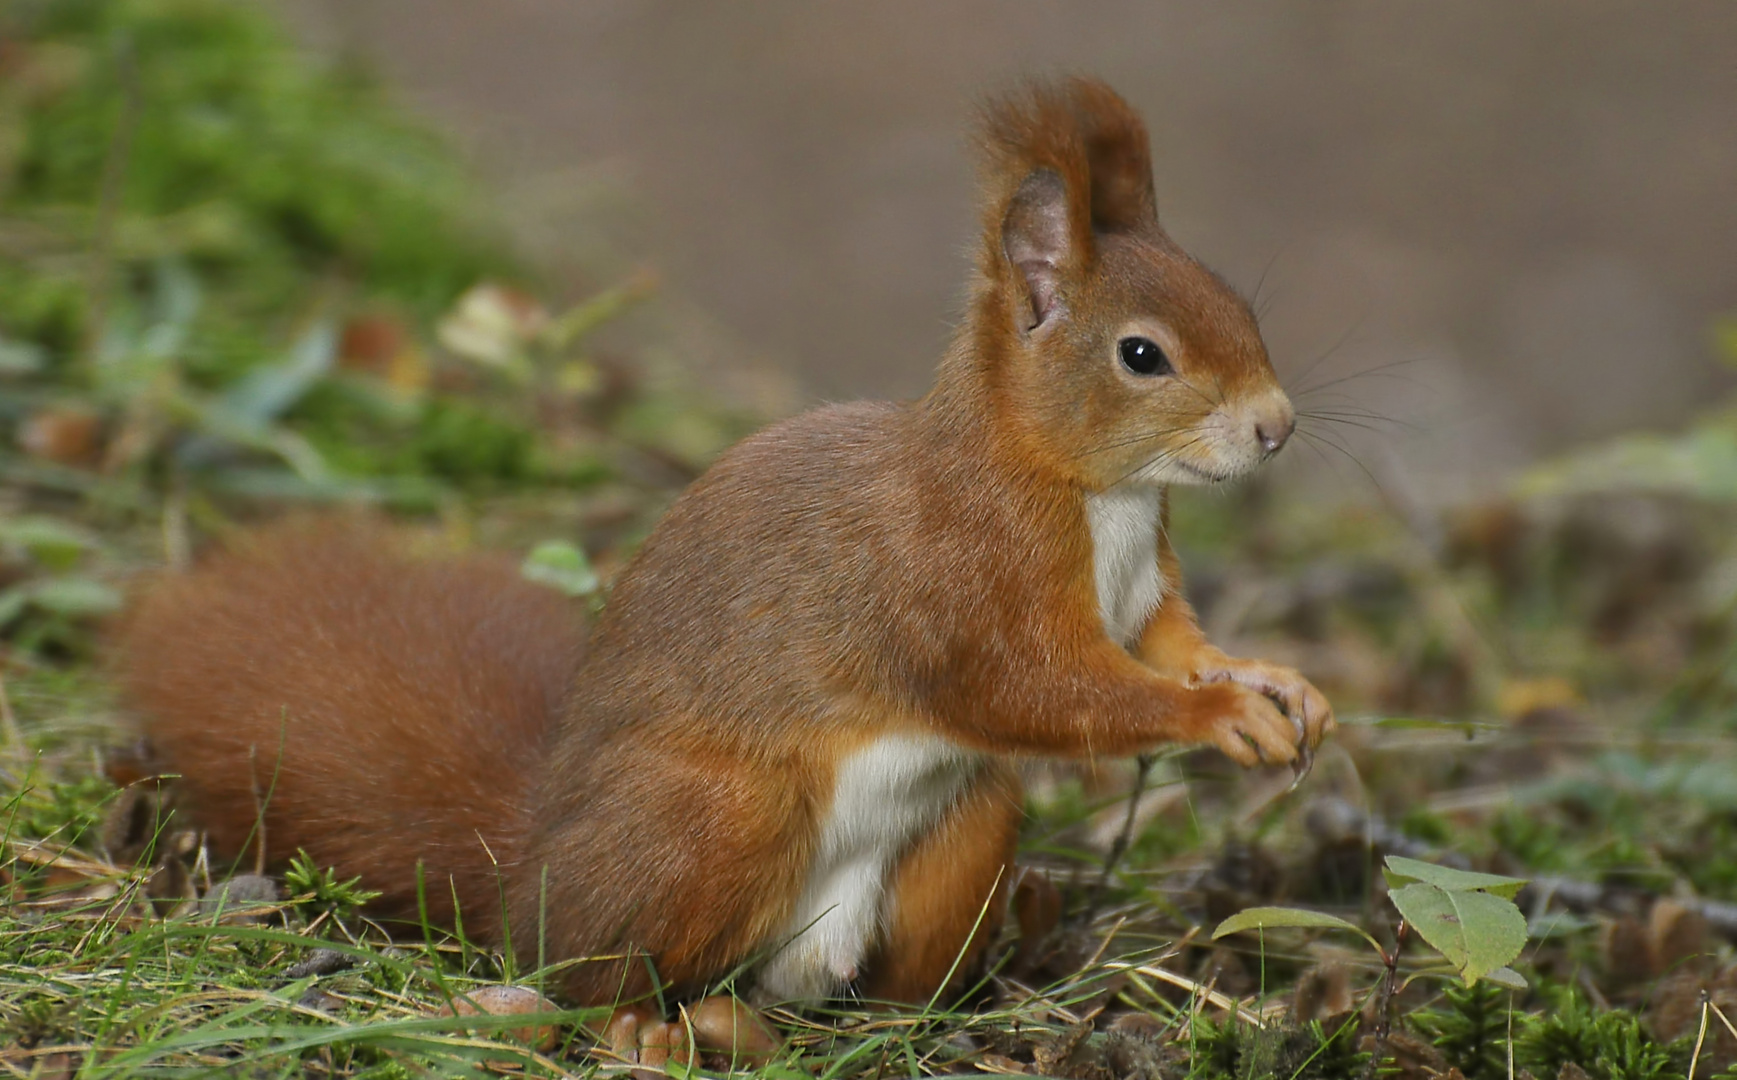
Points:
[(1124, 524), (884, 796), (899, 786)]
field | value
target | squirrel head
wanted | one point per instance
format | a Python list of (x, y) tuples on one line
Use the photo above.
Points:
[(1114, 354)]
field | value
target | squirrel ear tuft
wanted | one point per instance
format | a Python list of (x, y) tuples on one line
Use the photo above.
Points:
[(1034, 237), (1064, 161), (1118, 158)]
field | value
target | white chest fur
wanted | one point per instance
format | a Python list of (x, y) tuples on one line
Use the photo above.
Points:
[(884, 796), (1124, 524)]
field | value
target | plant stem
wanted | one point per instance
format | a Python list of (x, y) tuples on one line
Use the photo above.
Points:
[(1384, 1002), (1124, 838)]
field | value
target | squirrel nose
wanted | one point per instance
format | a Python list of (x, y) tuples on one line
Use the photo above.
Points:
[(1272, 430)]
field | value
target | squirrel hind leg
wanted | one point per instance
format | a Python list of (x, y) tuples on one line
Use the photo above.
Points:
[(948, 895)]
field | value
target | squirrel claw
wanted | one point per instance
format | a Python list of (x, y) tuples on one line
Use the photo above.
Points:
[(1301, 767)]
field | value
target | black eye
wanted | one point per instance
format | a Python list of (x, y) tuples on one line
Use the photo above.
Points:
[(1142, 356)]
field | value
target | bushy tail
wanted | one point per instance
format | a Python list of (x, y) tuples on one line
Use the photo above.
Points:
[(383, 710)]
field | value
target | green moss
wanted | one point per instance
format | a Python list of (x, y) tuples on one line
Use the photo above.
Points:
[(1470, 1028), (240, 154), (1610, 1045)]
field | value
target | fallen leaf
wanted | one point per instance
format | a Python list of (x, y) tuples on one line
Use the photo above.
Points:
[(1037, 906), (63, 435), (1323, 990), (1002, 1065)]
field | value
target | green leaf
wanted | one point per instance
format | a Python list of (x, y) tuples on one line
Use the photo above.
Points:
[(1277, 918), (561, 566), (74, 597), (1508, 977), (13, 601), (52, 543), (268, 391), (1700, 463), (1476, 931), (1403, 871), (216, 422), (586, 316), (21, 357), (68, 597)]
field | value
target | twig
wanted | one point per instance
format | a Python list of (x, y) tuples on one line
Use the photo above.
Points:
[(1124, 837), (1700, 1036), (1384, 1000), (1723, 1019)]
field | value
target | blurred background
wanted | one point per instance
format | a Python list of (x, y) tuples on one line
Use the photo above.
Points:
[(514, 273), (1529, 206)]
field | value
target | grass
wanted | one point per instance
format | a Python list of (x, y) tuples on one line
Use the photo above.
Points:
[(97, 964), (1542, 684)]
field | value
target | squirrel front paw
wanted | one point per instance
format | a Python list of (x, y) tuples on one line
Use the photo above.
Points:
[(1310, 714), (1245, 724)]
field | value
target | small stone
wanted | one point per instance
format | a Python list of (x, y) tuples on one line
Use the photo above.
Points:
[(318, 999), (1139, 1025), (240, 899), (319, 962)]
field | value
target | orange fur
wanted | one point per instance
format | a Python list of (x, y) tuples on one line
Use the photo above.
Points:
[(850, 578), (950, 893), (381, 709)]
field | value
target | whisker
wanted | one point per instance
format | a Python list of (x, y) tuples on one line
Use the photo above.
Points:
[(1382, 370), (1331, 349), (1314, 443), (1167, 454), (1334, 443), (1316, 450), (1147, 437), (1355, 460), (1349, 422), (1345, 407), (1211, 404), (1338, 398), (1354, 413), (1260, 312)]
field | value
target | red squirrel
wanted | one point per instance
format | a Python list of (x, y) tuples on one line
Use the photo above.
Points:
[(787, 744)]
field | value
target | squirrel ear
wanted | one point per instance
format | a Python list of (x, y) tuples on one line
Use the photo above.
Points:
[(1034, 235), (1118, 156)]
